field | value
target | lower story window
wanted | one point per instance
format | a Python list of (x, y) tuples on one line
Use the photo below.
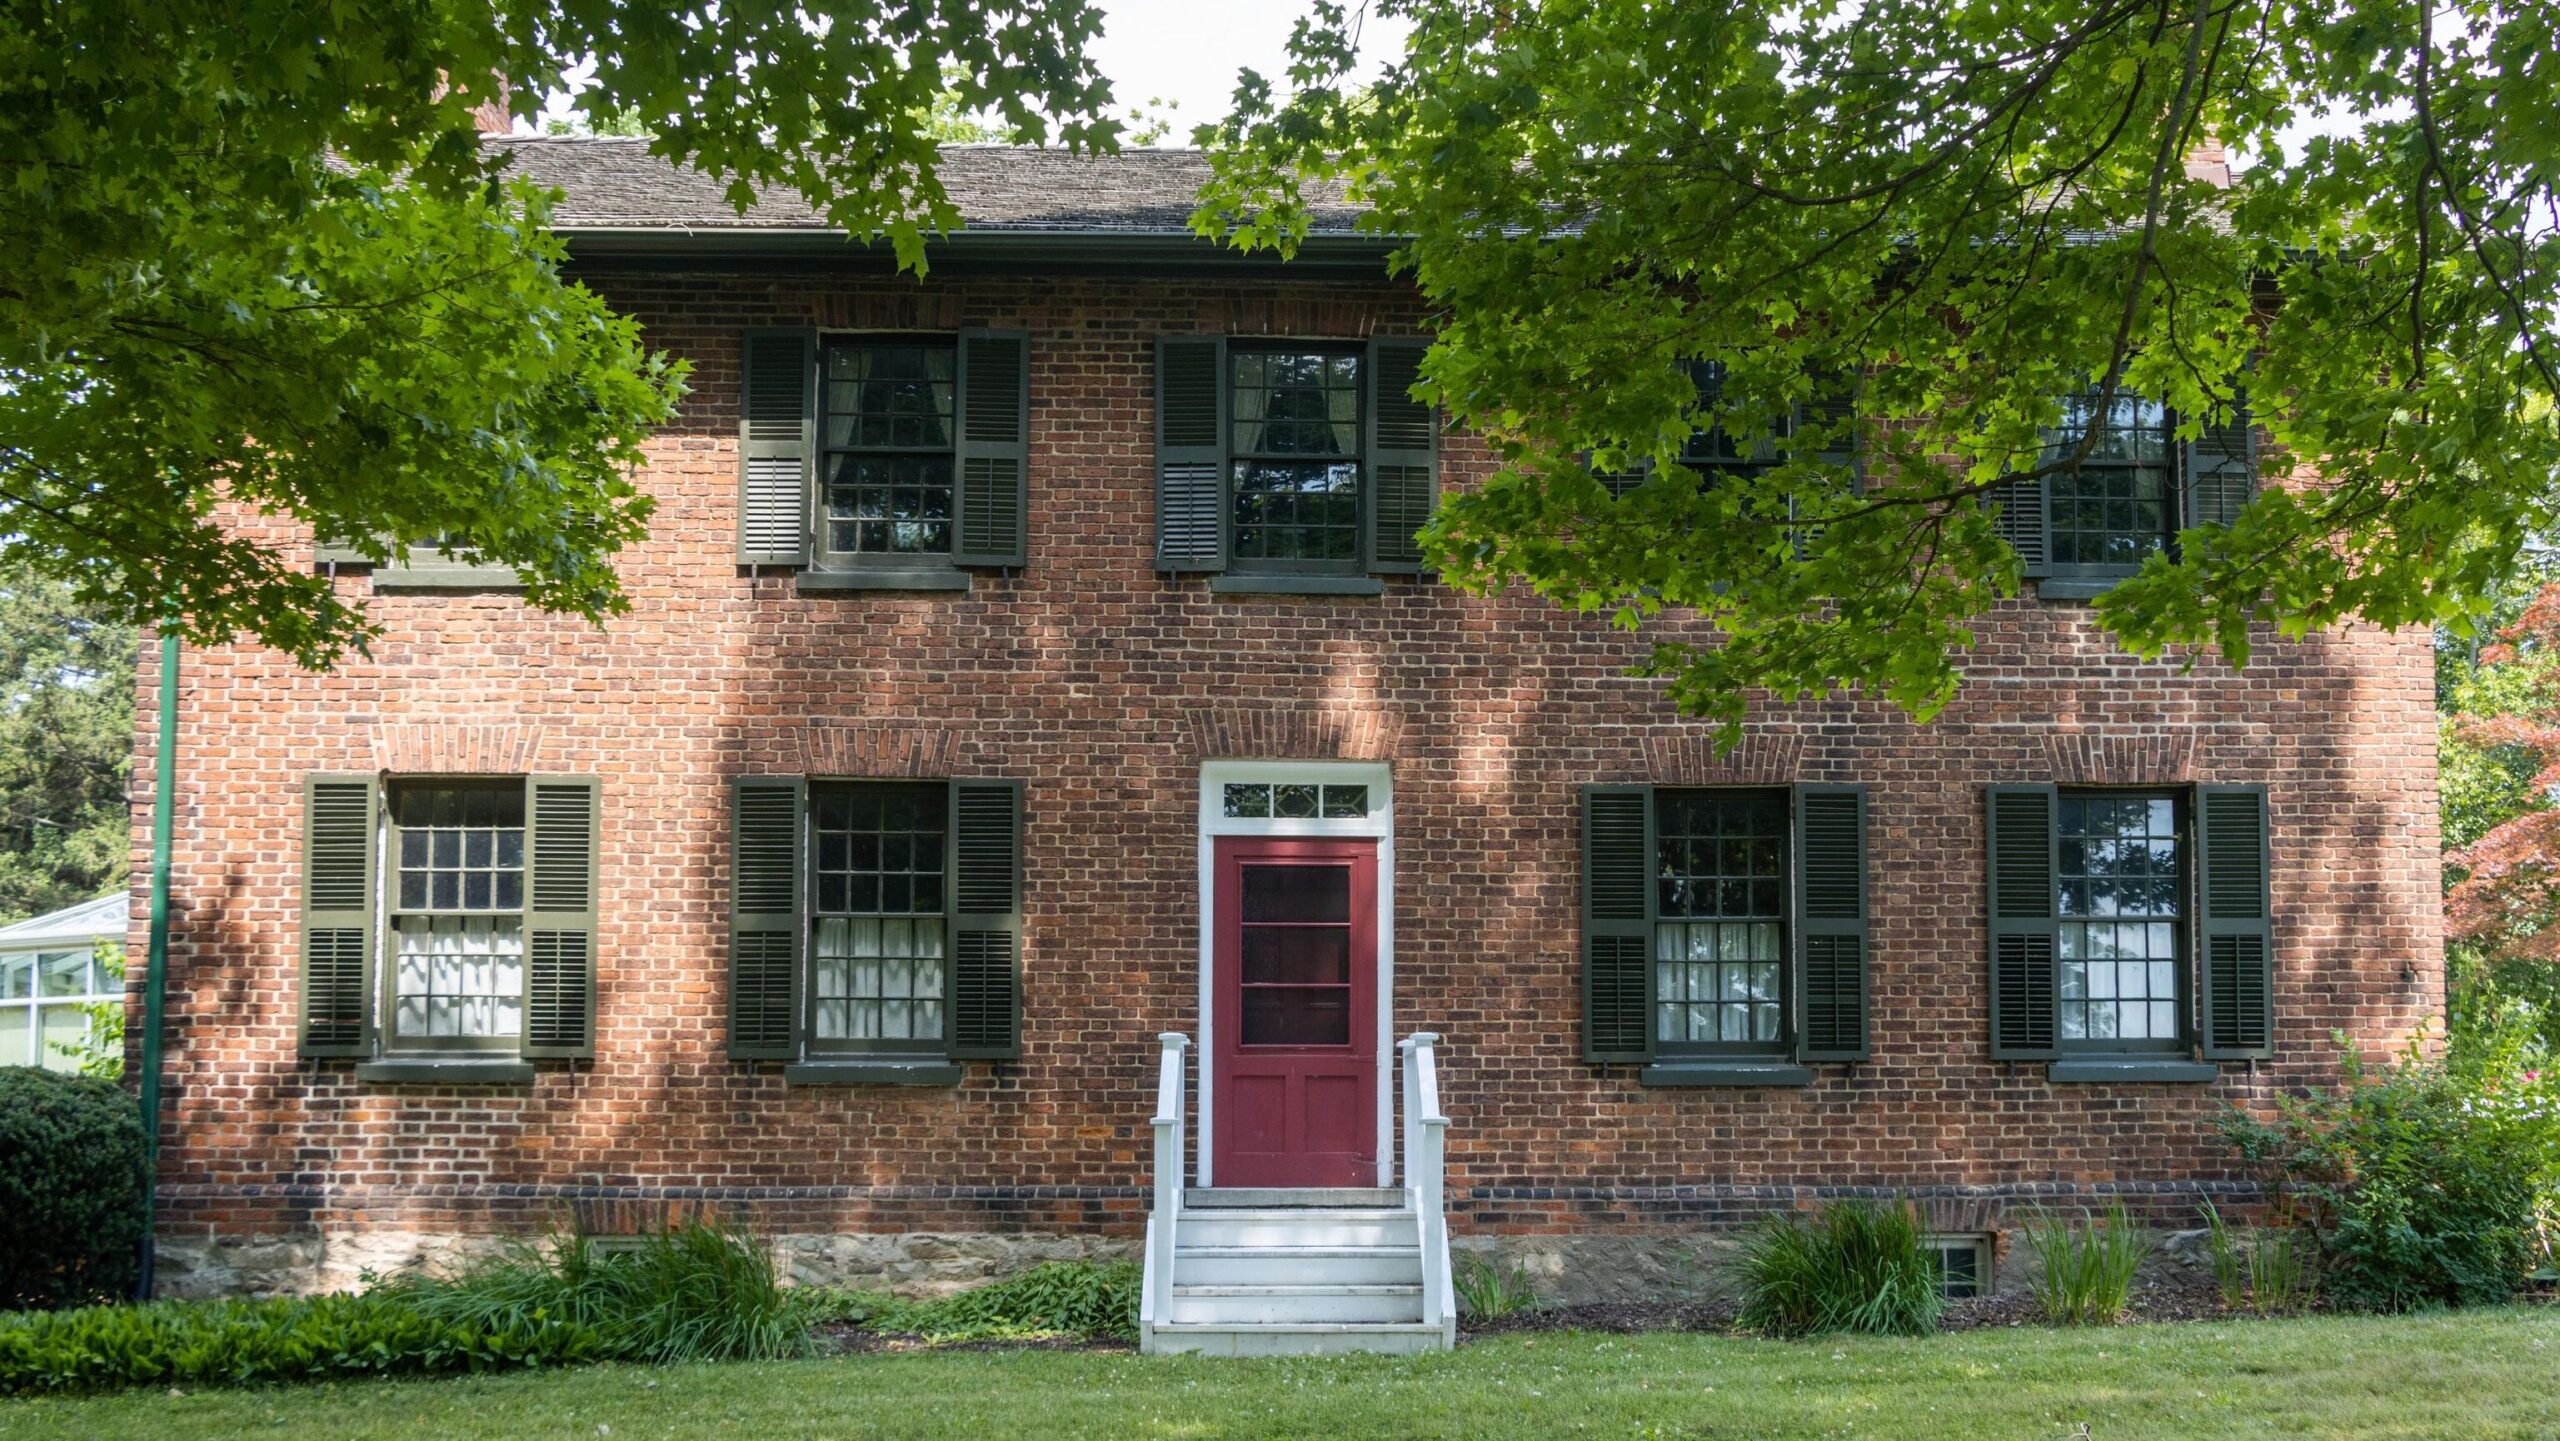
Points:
[(1964, 1265), (457, 915), (1719, 944), (2121, 909), (880, 864)]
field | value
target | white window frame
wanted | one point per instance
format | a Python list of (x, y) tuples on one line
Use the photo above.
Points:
[(1378, 825), (34, 1004)]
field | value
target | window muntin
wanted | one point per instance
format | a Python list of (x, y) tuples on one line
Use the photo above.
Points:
[(886, 409), (1295, 467), (1719, 936), (879, 862), (457, 915), (2121, 902), (43, 1000), (2119, 504)]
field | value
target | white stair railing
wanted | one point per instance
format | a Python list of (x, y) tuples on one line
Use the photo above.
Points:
[(1426, 1136), (1157, 1301)]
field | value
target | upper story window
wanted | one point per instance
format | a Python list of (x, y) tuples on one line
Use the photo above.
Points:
[(1296, 460), (1719, 938), (2120, 503), (888, 408)]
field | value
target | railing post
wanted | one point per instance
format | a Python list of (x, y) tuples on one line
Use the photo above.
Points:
[(1425, 1144), (1157, 1300)]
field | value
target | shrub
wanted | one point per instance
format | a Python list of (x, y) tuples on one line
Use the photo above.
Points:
[(695, 1293), (1059, 1298), (2267, 1271), (1486, 1291), (1851, 1266), (289, 1339), (2427, 1183), (74, 1183), (2085, 1270)]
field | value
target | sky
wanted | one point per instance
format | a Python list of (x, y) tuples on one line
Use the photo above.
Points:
[(1187, 52)]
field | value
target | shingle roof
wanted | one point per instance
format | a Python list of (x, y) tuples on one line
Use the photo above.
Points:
[(615, 183)]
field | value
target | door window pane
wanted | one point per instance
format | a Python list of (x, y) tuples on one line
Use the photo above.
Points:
[(1296, 966)]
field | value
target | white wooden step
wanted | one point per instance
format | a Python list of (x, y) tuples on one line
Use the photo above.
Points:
[(1329, 1227), (1296, 1265), (1299, 1338), (1264, 1198), (1293, 1303)]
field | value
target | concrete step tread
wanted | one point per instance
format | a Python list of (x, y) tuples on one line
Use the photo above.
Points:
[(1282, 1253), (1308, 1215), (1295, 1328), (1221, 1198), (1346, 1288)]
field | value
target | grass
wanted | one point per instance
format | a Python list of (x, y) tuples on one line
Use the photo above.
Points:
[(2479, 1376)]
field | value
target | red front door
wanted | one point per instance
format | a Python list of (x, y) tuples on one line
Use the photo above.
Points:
[(1295, 1080)]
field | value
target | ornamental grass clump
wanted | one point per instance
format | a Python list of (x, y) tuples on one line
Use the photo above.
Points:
[(694, 1293), (1488, 1292), (1077, 1299), (2084, 1269), (2266, 1269), (1862, 1266)]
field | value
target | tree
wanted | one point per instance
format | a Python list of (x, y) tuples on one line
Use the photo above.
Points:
[(66, 745), (260, 266), (2500, 762), (1964, 211)]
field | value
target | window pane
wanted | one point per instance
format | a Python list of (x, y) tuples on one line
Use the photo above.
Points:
[(879, 850), (1342, 802), (1297, 511), (1248, 802), (1297, 404), (461, 847), (458, 976), (868, 975), (62, 973)]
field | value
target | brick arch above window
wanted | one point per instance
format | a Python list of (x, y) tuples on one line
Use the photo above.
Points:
[(1691, 759), (1239, 731), (2097, 758), (457, 748), (880, 750)]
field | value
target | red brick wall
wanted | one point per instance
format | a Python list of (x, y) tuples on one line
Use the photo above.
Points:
[(1106, 686)]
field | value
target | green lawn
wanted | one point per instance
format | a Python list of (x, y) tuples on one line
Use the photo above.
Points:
[(2475, 1376)]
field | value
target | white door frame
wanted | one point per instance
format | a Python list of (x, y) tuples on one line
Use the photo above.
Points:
[(1378, 824)]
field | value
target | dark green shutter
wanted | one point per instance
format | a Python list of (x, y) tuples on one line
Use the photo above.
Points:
[(1831, 923), (1617, 923), (2238, 938), (2220, 469), (1191, 453), (560, 916), (986, 920), (777, 444), (2020, 522), (765, 925), (2023, 930), (1404, 463), (994, 452), (340, 815)]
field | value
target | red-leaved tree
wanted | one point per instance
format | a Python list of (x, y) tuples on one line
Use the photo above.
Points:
[(2506, 897)]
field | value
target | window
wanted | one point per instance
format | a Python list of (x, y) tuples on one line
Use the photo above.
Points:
[(888, 406), (878, 868), (450, 921), (44, 1000), (2120, 503), (1259, 800), (2121, 870), (1724, 931), (875, 926), (1964, 1265), (456, 978), (1719, 953), (1296, 460)]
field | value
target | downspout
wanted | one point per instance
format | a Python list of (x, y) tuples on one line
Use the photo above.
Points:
[(155, 975)]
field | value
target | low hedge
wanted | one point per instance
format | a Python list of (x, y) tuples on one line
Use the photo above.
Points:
[(284, 1339), (74, 1179)]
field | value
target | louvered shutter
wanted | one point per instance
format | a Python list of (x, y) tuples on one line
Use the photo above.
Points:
[(1831, 923), (2238, 939), (2021, 522), (2219, 469), (777, 445), (560, 918), (1191, 453), (1619, 483), (986, 920), (1404, 462), (994, 452), (765, 925), (2023, 930), (1617, 923), (340, 818)]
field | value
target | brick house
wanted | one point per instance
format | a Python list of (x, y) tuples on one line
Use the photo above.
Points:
[(1034, 659)]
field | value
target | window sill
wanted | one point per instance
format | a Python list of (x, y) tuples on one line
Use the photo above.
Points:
[(446, 577), (1296, 585), (1725, 1073), (873, 1073), (422, 1072), (2078, 587), (842, 580), (2166, 1070)]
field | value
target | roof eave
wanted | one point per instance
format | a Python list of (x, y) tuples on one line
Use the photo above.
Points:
[(1009, 249)]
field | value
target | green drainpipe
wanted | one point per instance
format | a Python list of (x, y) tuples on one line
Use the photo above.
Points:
[(155, 975)]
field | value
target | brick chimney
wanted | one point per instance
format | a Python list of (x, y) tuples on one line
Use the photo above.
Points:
[(2206, 162)]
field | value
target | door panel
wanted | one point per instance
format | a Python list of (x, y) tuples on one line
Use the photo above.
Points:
[(1296, 969)]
